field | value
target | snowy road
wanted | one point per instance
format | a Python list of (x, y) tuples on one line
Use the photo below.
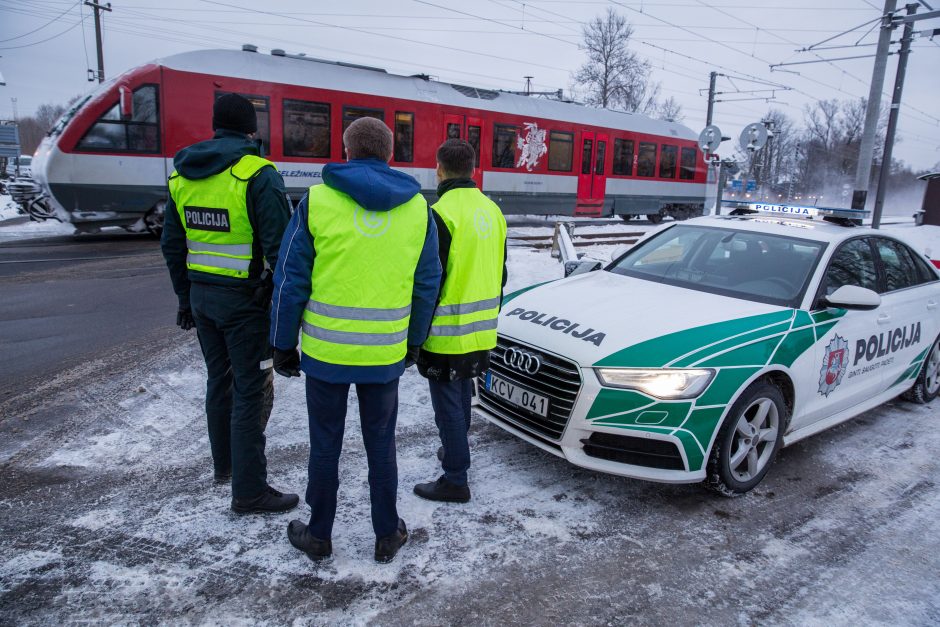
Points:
[(109, 515)]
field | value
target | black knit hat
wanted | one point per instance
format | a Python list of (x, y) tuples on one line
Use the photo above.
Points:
[(234, 113)]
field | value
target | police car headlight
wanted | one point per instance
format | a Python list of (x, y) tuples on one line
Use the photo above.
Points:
[(668, 383)]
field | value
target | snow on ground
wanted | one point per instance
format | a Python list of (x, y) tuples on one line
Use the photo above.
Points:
[(112, 518), (8, 208)]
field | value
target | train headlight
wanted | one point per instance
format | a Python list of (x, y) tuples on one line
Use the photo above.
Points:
[(666, 383)]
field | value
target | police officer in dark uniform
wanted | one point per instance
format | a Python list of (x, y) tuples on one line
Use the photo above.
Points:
[(224, 221)]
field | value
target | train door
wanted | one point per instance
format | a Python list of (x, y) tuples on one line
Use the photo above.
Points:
[(592, 178), (470, 129)]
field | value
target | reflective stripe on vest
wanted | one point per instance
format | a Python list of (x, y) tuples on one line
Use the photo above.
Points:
[(214, 213), (362, 281), (358, 313), (454, 330), (466, 308), (465, 319), (233, 250), (352, 337), (217, 262)]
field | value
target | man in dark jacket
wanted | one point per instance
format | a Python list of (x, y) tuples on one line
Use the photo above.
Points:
[(224, 221), (358, 275), (472, 236)]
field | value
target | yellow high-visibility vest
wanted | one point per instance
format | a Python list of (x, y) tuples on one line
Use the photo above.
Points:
[(214, 212), (465, 318), (362, 278)]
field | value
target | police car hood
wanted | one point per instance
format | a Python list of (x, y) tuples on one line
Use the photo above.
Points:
[(613, 320)]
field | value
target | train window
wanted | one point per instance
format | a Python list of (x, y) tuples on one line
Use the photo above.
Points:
[(404, 136), (453, 130), (504, 146), (351, 114), (140, 133), (263, 113), (599, 159), (560, 151), (586, 156), (687, 164), (646, 159), (623, 157), (306, 129), (667, 162), (473, 136)]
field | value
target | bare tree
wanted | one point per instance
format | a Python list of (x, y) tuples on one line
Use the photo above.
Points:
[(615, 77), (670, 110), (33, 128)]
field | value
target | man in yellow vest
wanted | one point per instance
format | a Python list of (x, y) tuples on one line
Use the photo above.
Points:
[(472, 235), (224, 221), (358, 276)]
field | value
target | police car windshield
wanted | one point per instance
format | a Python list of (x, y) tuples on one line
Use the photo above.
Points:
[(771, 269)]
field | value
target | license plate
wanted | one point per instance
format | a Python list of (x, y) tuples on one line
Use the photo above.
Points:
[(516, 394)]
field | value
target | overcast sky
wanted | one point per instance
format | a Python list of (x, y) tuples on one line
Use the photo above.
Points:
[(47, 46)]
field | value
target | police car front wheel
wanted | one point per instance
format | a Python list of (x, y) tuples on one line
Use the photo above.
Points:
[(927, 385), (748, 440)]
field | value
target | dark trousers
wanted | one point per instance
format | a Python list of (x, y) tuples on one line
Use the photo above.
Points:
[(233, 333), (451, 402), (378, 414)]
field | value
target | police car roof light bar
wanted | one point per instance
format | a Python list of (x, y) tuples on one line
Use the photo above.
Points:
[(844, 217)]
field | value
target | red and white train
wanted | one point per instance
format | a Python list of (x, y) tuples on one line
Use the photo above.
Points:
[(107, 160)]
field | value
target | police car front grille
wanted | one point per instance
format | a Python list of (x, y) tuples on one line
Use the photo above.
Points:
[(558, 379)]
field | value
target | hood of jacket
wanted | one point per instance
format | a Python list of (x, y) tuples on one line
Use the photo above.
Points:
[(214, 155), (371, 183)]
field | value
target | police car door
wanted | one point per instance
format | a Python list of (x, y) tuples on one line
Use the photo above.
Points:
[(913, 302), (845, 376)]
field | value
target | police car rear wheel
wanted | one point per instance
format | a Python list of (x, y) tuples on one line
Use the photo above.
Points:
[(748, 440), (927, 385)]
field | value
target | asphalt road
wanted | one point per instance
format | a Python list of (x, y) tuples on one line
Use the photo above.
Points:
[(77, 304)]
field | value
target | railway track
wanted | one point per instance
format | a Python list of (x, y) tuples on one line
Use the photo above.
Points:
[(579, 239)]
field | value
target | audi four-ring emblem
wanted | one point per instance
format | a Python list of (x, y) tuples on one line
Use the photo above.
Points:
[(522, 361)]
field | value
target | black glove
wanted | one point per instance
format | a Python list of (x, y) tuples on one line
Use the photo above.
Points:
[(287, 363), (411, 357), (184, 318), (264, 291)]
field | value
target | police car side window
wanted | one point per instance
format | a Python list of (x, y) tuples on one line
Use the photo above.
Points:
[(853, 264), (899, 265)]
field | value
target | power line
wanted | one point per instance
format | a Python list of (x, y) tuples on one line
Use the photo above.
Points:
[(36, 43), (50, 22)]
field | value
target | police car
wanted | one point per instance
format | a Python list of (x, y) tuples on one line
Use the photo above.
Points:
[(712, 343)]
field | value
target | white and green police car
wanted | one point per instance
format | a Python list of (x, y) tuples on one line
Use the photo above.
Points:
[(700, 352)]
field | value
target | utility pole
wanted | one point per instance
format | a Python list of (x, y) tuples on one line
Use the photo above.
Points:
[(98, 9), (866, 149), (893, 115), (712, 77)]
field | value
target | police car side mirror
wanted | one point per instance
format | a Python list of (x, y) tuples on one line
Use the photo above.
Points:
[(619, 252), (853, 297), (582, 266)]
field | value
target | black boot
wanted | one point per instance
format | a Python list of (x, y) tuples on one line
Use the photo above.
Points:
[(443, 490), (298, 534), (386, 548), (270, 500)]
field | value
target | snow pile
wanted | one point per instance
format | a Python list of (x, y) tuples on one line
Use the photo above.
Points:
[(8, 208)]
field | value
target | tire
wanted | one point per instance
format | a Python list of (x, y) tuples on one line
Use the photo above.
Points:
[(626, 217), (748, 441), (927, 385), (654, 218)]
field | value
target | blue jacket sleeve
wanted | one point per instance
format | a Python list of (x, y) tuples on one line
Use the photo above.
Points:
[(292, 280), (173, 244), (427, 284)]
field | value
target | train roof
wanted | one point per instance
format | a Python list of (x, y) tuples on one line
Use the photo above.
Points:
[(310, 72)]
